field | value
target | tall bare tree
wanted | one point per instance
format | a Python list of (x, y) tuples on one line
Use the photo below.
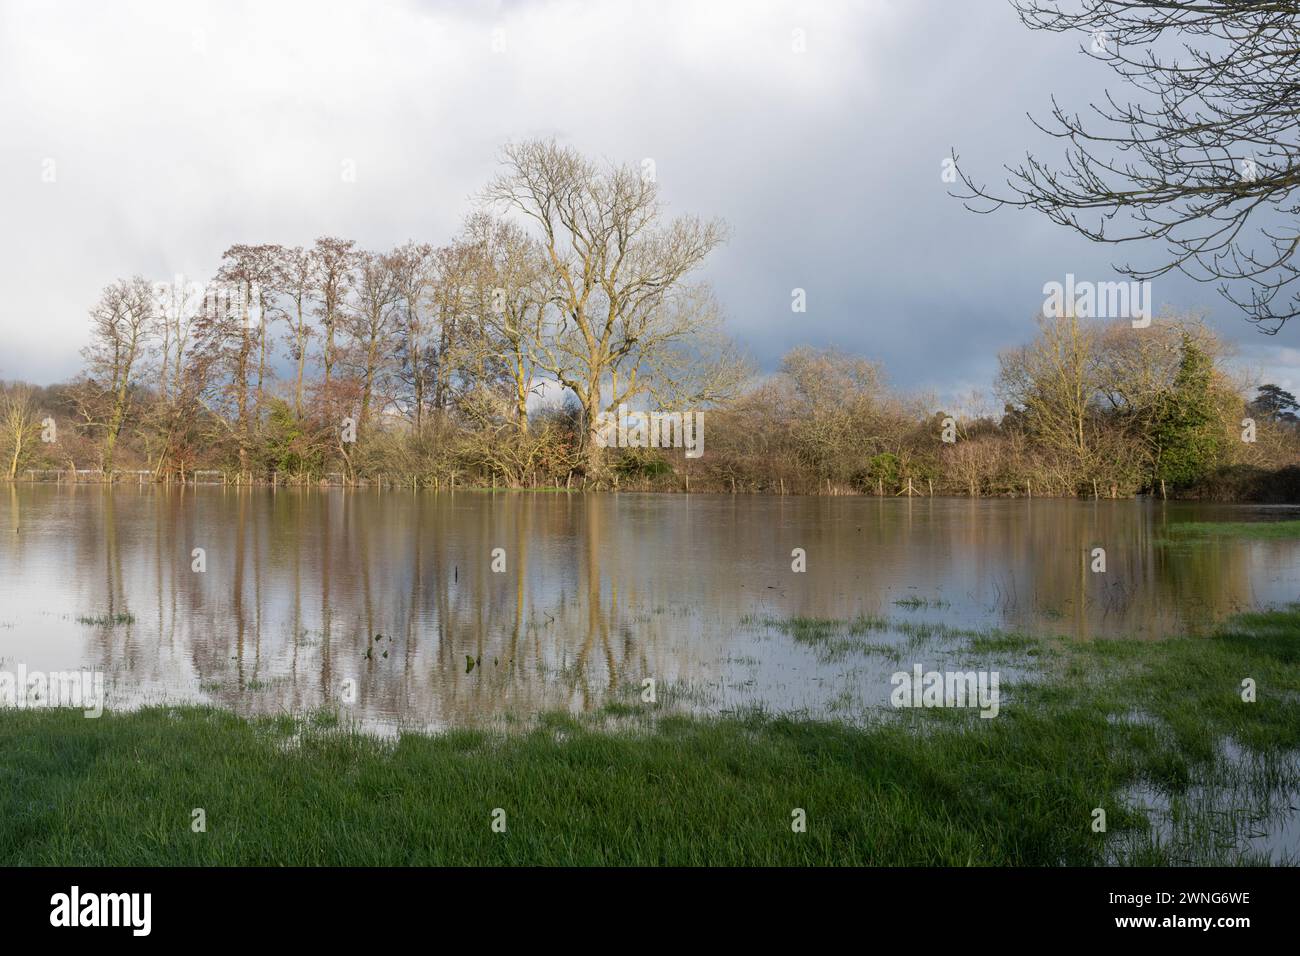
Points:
[(270, 283), (298, 270), (120, 326), (177, 306), (334, 260), (413, 267), (250, 274), (451, 300), (19, 427), (512, 292), (372, 323), (619, 267)]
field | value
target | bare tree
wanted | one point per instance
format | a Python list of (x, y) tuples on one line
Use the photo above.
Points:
[(19, 427), (971, 462), (120, 326), (270, 282), (334, 260), (413, 267), (619, 272), (1053, 384), (513, 289), (177, 305), (833, 405), (372, 323), (250, 273), (452, 298), (169, 425), (1205, 160), (298, 270)]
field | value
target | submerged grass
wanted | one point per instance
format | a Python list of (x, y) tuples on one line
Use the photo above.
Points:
[(106, 620), (1101, 723), (1233, 529), (914, 603), (832, 639)]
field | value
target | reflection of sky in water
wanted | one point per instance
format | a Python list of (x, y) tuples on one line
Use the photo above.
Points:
[(599, 592)]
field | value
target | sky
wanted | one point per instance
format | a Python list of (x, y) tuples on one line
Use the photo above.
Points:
[(145, 138)]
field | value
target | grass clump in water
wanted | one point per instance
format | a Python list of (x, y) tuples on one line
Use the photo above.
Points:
[(107, 620), (1185, 530), (913, 603), (831, 638)]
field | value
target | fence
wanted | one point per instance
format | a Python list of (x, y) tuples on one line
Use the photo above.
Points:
[(93, 475), (208, 476), (65, 474)]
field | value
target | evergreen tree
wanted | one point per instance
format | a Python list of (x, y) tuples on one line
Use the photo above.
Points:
[(1187, 434), (1274, 403)]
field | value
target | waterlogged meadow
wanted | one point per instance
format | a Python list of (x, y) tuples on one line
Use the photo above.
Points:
[(924, 681), (426, 610), (1121, 752)]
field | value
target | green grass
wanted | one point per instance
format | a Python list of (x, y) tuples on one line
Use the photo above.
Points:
[(914, 603), (631, 785), (832, 639), (106, 620), (814, 630), (1234, 529)]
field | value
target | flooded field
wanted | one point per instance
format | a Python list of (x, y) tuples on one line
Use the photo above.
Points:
[(424, 610)]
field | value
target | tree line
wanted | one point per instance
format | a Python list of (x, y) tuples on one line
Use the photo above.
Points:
[(568, 292)]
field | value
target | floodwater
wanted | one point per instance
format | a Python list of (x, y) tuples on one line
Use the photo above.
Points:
[(388, 604)]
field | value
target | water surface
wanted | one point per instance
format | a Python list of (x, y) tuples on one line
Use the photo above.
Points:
[(308, 594)]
